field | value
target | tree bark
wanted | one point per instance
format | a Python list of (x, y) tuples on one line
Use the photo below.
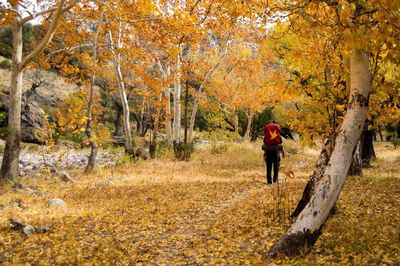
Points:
[(315, 177), (248, 128), (368, 152), (305, 230), (168, 123), (236, 122), (125, 108), (119, 120), (177, 102), (10, 165), (89, 131), (185, 140), (121, 89), (356, 164)]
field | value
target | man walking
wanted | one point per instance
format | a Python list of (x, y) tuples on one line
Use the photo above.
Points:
[(272, 148)]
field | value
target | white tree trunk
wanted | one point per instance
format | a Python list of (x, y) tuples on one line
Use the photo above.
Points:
[(121, 88), (177, 102), (10, 165), (305, 231), (236, 122), (168, 123), (248, 129), (125, 106)]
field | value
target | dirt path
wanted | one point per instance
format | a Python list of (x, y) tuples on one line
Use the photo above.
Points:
[(200, 225)]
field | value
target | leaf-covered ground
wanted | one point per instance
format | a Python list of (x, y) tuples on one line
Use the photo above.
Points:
[(214, 210)]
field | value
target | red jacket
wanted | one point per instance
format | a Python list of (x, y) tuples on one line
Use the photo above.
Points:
[(272, 134)]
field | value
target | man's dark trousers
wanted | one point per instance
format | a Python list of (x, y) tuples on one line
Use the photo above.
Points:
[(272, 158)]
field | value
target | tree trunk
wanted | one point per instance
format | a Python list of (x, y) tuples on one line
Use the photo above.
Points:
[(315, 177), (121, 89), (200, 91), (10, 165), (356, 164), (236, 122), (248, 128), (89, 133), (168, 123), (305, 230), (177, 102), (368, 152), (185, 140), (125, 109), (118, 121), (153, 141)]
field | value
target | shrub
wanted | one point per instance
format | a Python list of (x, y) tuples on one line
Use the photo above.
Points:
[(5, 64), (183, 151), (221, 140)]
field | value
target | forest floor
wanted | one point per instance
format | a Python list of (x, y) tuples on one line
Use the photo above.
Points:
[(214, 210)]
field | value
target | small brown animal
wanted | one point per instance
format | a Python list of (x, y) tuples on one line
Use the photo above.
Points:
[(289, 174)]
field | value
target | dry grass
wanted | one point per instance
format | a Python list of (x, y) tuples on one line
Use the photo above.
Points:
[(214, 210)]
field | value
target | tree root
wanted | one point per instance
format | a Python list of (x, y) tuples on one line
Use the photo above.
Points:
[(294, 244)]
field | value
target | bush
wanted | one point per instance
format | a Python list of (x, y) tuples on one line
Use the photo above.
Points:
[(183, 151), (221, 140), (5, 50), (5, 64)]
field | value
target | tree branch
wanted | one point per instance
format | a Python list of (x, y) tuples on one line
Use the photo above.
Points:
[(49, 35), (44, 12)]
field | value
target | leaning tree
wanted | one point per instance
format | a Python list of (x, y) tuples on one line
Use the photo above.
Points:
[(361, 27)]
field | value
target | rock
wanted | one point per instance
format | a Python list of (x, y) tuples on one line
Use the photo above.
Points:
[(56, 203), (105, 183), (53, 169), (18, 203), (28, 230), (44, 229), (32, 119), (33, 191), (28, 168), (16, 224)]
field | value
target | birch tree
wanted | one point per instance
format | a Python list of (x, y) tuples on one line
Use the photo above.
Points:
[(10, 164), (116, 46), (93, 145), (207, 77)]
